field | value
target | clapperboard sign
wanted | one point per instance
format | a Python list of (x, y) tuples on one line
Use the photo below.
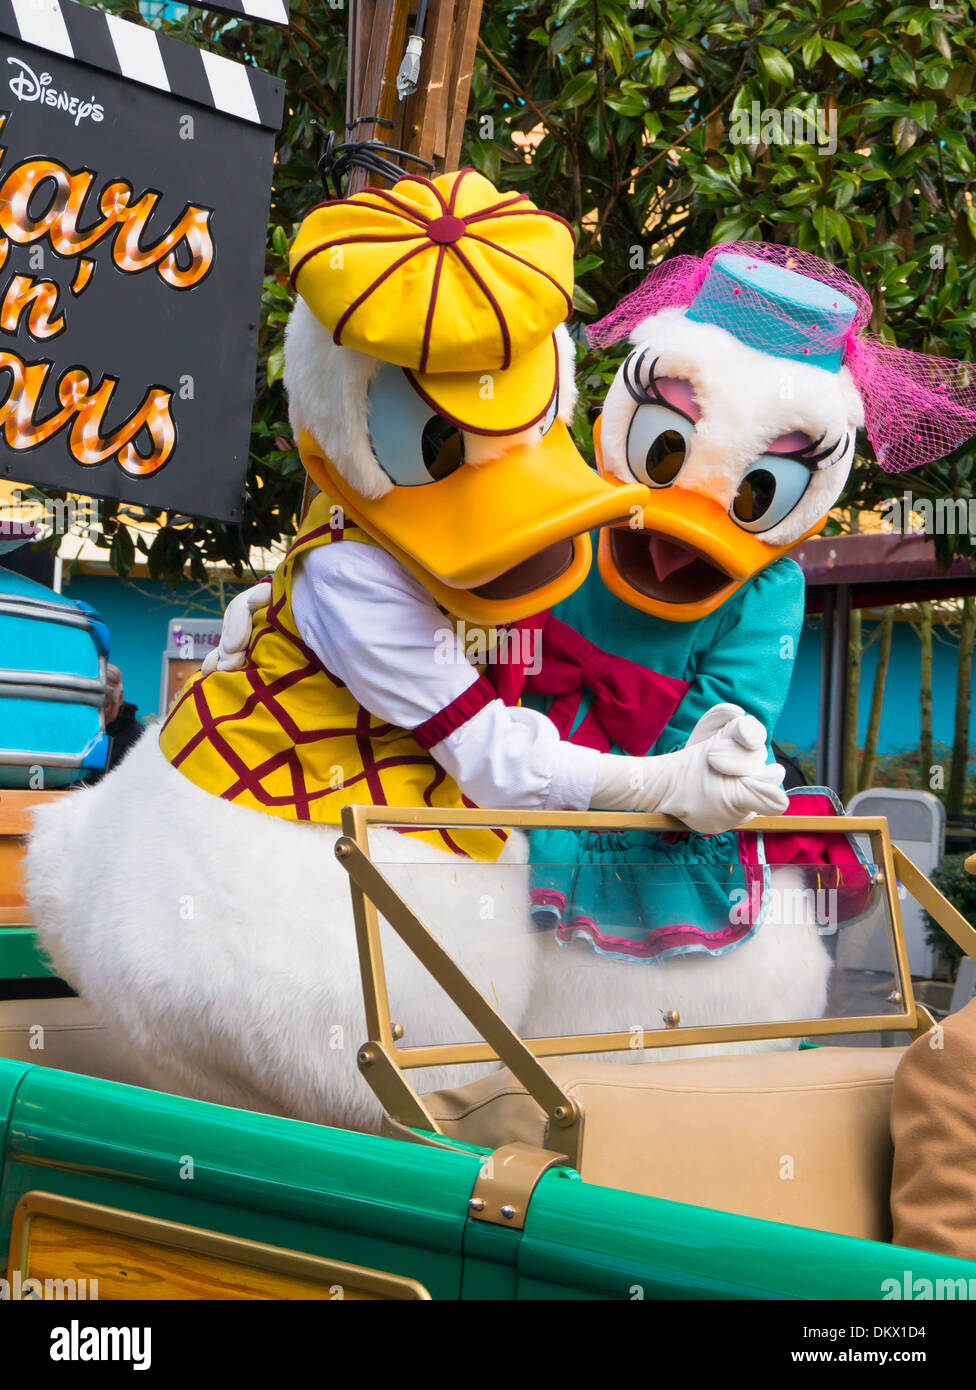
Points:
[(135, 179)]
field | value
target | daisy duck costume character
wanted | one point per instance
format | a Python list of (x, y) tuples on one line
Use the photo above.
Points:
[(738, 406), (430, 381)]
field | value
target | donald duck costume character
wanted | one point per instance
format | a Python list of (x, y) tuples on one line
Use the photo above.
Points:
[(430, 382)]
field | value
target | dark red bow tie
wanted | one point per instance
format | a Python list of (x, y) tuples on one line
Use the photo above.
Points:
[(630, 703)]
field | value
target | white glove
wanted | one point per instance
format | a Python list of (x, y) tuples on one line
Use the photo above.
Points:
[(235, 630), (718, 780)]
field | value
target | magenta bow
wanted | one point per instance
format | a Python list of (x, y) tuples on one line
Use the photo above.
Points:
[(630, 703)]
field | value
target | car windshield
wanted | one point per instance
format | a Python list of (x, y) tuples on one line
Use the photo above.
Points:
[(588, 932)]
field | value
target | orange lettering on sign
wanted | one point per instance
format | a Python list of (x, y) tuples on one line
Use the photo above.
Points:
[(42, 199), (39, 198), (39, 298), (83, 409)]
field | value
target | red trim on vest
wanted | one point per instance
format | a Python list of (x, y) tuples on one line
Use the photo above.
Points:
[(469, 703)]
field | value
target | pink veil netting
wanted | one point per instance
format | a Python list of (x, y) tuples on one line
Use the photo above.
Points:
[(916, 408)]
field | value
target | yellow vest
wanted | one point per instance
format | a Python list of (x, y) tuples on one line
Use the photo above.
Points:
[(284, 736)]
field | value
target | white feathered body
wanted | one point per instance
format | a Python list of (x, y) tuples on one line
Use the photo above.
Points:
[(219, 942)]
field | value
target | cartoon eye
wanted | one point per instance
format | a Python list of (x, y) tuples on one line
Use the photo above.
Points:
[(413, 444), (657, 443), (442, 446), (769, 492)]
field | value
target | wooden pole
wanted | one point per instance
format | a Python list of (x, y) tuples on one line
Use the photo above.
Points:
[(429, 123), (377, 40)]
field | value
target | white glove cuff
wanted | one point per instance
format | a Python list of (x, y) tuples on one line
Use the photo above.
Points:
[(574, 772), (628, 784)]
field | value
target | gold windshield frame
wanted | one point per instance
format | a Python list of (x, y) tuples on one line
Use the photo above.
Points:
[(383, 1060)]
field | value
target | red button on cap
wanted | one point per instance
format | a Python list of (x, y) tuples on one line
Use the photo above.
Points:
[(446, 229)]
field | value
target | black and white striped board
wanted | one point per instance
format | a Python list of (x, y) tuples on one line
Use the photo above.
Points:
[(258, 11), (149, 58)]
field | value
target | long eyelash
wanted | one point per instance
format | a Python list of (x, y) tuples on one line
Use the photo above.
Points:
[(637, 388), (813, 460), (645, 391)]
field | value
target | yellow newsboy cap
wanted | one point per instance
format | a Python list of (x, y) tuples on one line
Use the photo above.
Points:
[(442, 275)]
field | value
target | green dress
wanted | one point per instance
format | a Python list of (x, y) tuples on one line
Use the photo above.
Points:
[(656, 894)]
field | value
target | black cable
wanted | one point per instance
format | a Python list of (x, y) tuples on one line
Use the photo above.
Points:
[(336, 160)]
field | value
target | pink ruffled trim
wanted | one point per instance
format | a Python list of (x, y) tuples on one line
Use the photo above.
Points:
[(670, 938)]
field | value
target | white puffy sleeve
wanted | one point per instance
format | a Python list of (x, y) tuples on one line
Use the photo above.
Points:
[(376, 628)]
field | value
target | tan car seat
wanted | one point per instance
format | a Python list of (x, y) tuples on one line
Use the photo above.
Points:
[(933, 1124), (63, 1033), (797, 1137)]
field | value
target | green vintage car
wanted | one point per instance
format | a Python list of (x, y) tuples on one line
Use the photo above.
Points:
[(752, 1175)]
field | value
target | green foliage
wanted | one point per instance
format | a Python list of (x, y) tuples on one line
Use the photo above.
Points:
[(618, 114), (959, 887), (640, 157)]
